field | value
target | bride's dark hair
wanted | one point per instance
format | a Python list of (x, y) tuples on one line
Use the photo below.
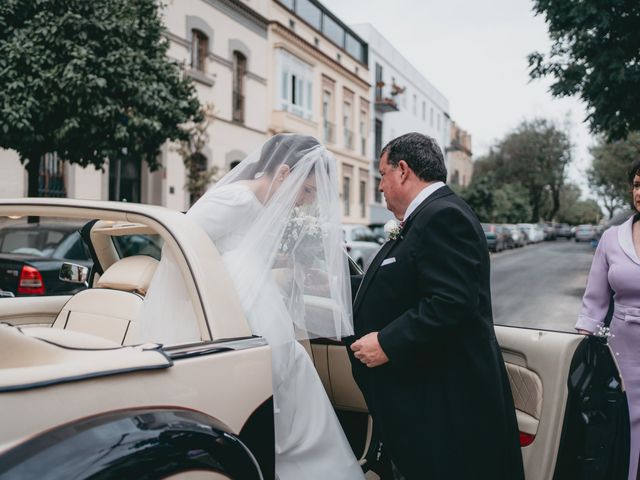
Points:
[(281, 149)]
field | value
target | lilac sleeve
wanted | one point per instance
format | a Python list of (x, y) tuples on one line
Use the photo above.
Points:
[(595, 301)]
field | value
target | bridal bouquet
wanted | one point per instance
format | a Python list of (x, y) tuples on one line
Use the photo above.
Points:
[(302, 231)]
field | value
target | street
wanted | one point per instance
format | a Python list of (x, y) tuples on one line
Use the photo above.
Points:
[(540, 286)]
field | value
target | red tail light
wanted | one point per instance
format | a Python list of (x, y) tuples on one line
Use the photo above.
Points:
[(526, 439), (30, 282)]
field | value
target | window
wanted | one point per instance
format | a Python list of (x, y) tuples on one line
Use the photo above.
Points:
[(51, 177), (431, 114), (347, 117), (353, 46), (363, 132), (239, 72), (199, 50), (415, 104), (378, 140), (309, 13), (363, 198), (287, 3), (377, 194), (424, 111), (327, 116), (346, 195), (124, 180), (379, 81), (333, 31), (296, 85), (438, 121)]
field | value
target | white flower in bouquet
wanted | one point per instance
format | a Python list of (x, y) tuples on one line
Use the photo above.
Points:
[(302, 227)]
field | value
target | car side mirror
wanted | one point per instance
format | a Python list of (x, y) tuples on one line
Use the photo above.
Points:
[(72, 273)]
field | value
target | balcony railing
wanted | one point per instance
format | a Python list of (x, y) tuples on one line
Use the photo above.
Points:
[(348, 139), (329, 132), (238, 107)]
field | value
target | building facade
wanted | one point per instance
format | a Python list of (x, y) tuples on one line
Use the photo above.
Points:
[(459, 157), (222, 45), (319, 85), (404, 101)]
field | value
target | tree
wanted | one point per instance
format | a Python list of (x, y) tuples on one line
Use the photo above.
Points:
[(609, 166), (596, 55), (506, 203), (89, 80), (190, 149), (534, 156)]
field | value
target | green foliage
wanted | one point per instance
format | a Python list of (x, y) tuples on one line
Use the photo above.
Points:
[(506, 203), (575, 211), (89, 80), (596, 55), (534, 157), (190, 149), (609, 167)]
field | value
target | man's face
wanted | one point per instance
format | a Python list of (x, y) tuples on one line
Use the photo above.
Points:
[(391, 187), (636, 192)]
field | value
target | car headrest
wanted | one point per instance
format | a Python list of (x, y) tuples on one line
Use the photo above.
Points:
[(130, 274)]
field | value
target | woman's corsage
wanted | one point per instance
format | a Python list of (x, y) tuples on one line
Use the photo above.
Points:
[(393, 229)]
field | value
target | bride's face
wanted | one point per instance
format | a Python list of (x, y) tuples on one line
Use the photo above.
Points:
[(308, 192)]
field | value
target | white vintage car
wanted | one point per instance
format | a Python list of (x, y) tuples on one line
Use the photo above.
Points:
[(80, 396)]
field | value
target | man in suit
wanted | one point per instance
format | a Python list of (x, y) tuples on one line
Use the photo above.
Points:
[(424, 352)]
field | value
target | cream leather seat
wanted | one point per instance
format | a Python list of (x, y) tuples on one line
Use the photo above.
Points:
[(108, 310)]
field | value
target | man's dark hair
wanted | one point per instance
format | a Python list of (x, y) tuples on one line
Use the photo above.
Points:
[(633, 171), (422, 154)]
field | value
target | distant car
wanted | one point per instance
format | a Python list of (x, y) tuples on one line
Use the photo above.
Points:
[(534, 232), (563, 230), (379, 233), (517, 235), (31, 255), (361, 244), (495, 237), (585, 233), (548, 230), (505, 233)]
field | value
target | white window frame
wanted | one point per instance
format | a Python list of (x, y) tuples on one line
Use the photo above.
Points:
[(298, 100)]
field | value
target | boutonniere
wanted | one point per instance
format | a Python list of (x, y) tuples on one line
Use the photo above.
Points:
[(393, 229)]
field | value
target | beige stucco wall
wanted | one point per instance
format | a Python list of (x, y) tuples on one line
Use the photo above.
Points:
[(345, 73), (13, 177)]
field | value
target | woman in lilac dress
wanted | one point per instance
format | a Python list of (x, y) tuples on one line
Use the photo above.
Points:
[(616, 271)]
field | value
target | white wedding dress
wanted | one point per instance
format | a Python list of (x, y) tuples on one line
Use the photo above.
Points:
[(310, 443), (275, 219)]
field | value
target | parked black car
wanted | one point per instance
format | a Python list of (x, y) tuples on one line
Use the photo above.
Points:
[(31, 255)]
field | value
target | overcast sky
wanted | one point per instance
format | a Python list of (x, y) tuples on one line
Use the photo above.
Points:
[(475, 53)]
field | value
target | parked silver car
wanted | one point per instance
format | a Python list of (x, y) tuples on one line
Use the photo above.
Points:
[(585, 233), (361, 243)]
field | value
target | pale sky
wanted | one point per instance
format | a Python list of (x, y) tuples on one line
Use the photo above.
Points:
[(475, 53)]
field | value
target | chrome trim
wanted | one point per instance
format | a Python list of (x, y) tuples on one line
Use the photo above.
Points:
[(210, 348)]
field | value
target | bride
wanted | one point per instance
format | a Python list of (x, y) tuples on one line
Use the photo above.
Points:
[(275, 219)]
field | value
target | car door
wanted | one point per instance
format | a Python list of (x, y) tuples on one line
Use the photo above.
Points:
[(570, 405)]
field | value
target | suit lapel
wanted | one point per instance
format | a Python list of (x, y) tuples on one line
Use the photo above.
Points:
[(371, 272), (386, 249)]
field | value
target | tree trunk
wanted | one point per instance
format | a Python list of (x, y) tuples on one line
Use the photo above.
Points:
[(555, 196), (33, 171)]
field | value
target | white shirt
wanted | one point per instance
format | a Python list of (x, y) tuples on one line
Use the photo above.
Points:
[(421, 197)]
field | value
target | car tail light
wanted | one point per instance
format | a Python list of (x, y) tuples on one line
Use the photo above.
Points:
[(30, 282), (526, 439)]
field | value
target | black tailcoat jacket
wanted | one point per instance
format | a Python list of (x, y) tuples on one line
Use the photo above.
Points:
[(442, 405)]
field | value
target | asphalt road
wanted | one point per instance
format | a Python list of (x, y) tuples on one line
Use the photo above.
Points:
[(540, 286)]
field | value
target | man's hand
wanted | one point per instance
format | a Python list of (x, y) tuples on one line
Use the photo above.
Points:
[(369, 351)]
